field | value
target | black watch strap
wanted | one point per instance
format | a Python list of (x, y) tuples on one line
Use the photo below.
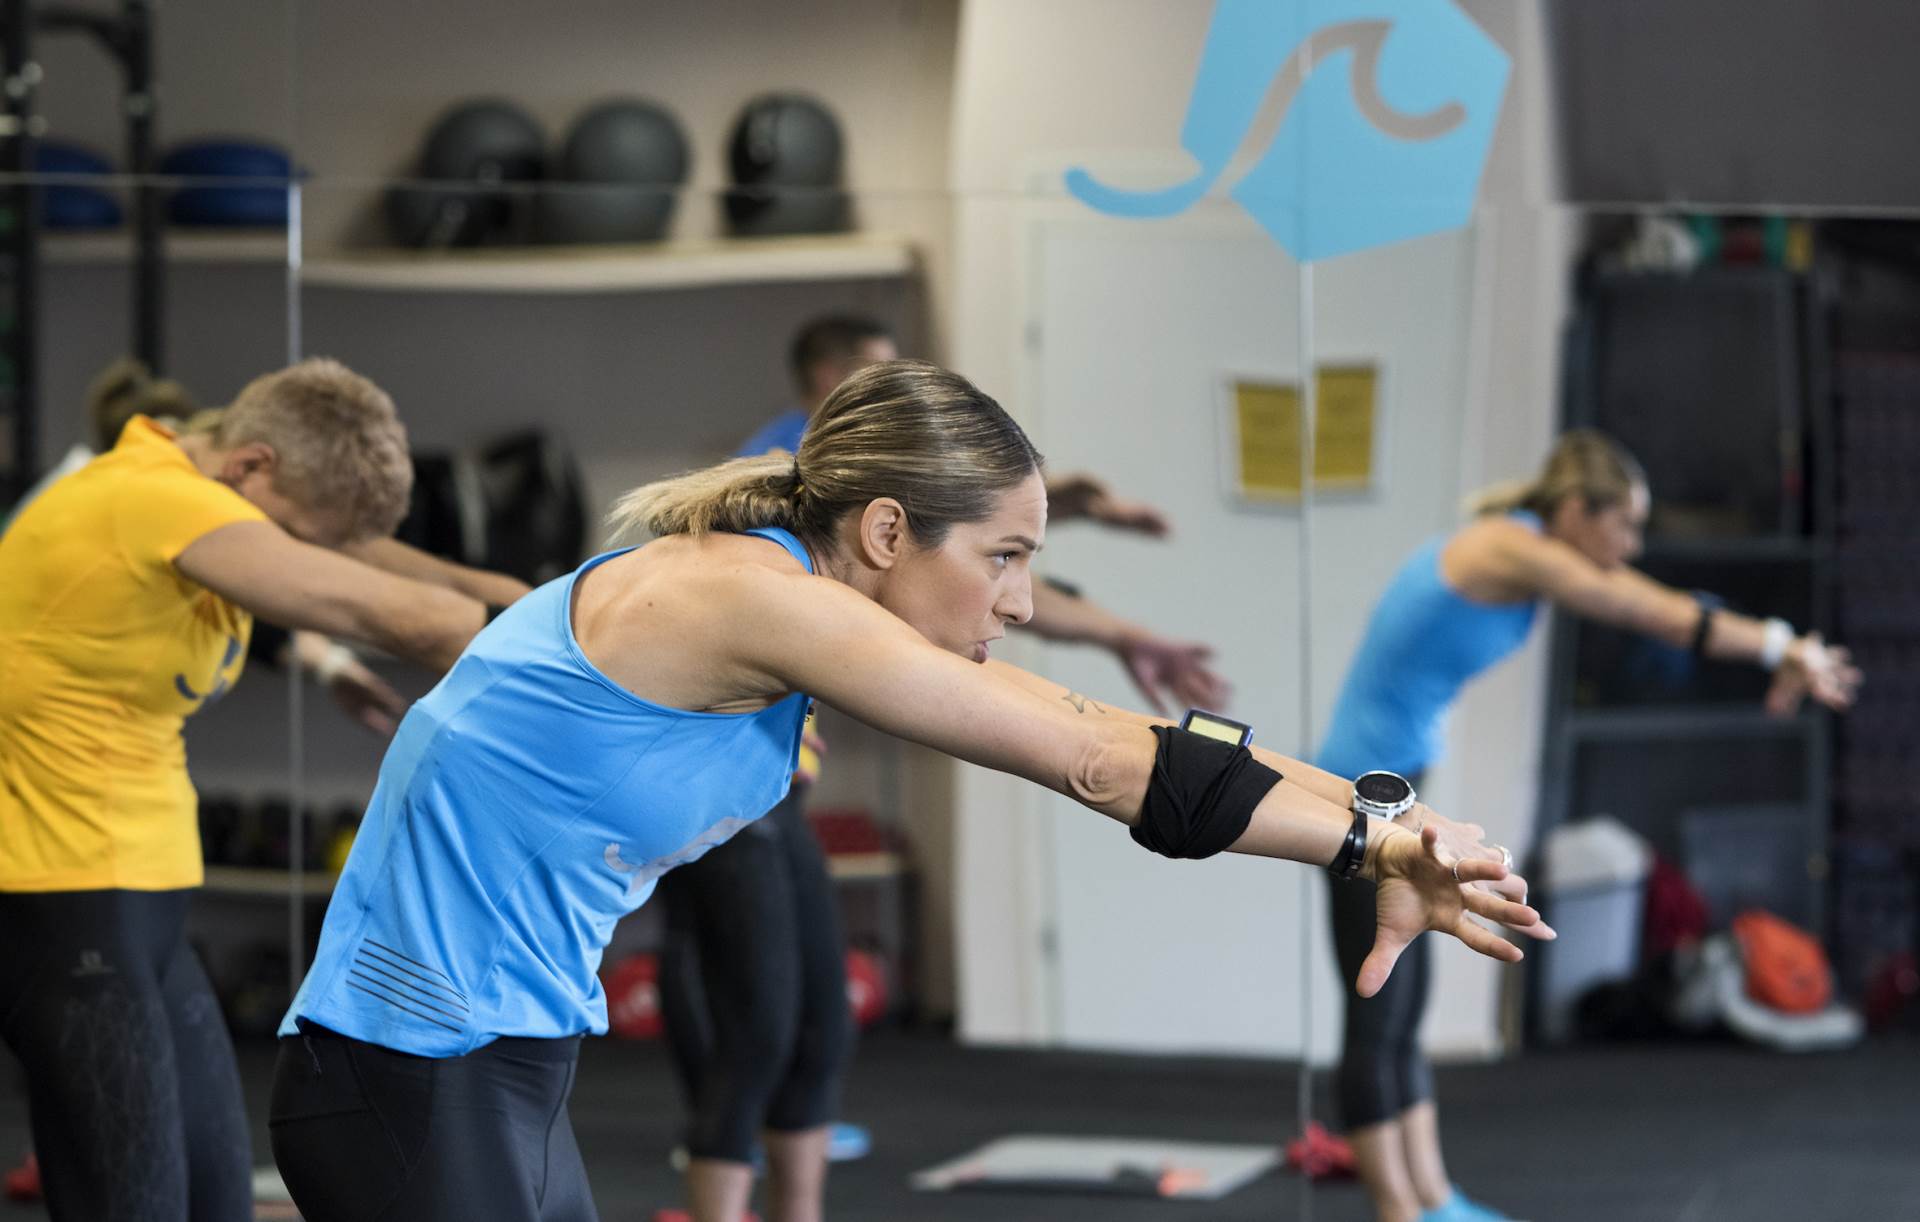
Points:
[(1353, 851)]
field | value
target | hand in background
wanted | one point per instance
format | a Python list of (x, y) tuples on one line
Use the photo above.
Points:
[(368, 699), (1079, 495), (1160, 667), (1811, 668)]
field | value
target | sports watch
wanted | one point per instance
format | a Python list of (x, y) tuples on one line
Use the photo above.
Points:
[(1376, 795)]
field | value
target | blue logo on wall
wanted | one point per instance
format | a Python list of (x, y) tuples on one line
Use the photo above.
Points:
[(1381, 114)]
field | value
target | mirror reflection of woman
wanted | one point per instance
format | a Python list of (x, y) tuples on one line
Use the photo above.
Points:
[(1460, 604)]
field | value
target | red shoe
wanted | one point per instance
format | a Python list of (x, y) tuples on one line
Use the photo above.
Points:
[(1320, 1155), (23, 1182)]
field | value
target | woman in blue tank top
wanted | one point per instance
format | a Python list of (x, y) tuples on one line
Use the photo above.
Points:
[(1459, 605), (626, 718)]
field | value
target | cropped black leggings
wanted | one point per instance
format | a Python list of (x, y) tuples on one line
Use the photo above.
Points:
[(366, 1134), (753, 985), (1382, 1070), (132, 1088)]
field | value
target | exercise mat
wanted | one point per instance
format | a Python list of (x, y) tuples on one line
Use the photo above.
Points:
[(1104, 1166)]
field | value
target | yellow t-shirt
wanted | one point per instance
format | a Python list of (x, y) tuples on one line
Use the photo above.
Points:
[(105, 648)]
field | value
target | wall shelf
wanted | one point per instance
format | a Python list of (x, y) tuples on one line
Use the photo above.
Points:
[(181, 246), (617, 269), (532, 270)]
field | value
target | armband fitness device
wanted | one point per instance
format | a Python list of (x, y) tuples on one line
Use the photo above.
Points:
[(1204, 786)]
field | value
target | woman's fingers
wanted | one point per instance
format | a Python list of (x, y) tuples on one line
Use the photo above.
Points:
[(1511, 887), (1484, 940), (1478, 870), (1515, 916)]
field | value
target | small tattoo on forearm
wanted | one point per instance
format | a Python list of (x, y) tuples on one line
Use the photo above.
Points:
[(1080, 703)]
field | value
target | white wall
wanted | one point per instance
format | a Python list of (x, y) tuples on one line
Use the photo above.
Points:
[(1040, 87)]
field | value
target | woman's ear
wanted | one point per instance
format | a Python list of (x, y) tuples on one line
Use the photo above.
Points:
[(883, 532)]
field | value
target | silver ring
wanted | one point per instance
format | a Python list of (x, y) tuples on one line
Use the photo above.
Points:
[(1456, 871), (1506, 858)]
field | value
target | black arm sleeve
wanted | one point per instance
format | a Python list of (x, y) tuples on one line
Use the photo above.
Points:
[(1201, 795)]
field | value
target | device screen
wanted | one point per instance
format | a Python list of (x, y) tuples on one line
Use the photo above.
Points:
[(1385, 790), (1223, 728)]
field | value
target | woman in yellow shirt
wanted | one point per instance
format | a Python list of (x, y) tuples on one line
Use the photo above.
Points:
[(127, 593)]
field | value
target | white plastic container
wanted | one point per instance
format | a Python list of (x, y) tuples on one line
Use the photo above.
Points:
[(1595, 890)]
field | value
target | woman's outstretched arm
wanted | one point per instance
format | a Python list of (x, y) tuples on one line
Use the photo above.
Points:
[(1627, 598), (815, 635)]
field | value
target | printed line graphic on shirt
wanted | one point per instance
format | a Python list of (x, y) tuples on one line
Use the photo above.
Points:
[(1367, 122), (221, 679)]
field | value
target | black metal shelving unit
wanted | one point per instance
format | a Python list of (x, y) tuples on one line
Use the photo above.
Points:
[(126, 35), (1869, 320), (1717, 379)]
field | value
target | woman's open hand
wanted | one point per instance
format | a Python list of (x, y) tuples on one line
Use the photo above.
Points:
[(1423, 886)]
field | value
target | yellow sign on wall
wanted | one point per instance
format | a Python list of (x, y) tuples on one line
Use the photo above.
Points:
[(1266, 418)]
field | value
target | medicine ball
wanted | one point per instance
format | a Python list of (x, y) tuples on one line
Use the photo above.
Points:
[(260, 201), (766, 211), (487, 141), (617, 176), (632, 988), (473, 156), (70, 205), (784, 140), (867, 994), (785, 157)]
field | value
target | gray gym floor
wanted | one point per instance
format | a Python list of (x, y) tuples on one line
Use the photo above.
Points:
[(1687, 1132)]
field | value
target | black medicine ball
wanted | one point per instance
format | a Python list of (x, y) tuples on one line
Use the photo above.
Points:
[(786, 162), (784, 140), (471, 153), (619, 172)]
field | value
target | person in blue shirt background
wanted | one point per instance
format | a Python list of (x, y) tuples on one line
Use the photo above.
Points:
[(1458, 606)]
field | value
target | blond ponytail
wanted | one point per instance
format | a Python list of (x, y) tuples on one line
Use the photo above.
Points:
[(1503, 497), (737, 495)]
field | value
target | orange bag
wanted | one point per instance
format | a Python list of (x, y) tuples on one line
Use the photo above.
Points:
[(1786, 968)]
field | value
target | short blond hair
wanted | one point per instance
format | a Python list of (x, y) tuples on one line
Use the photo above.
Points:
[(341, 448)]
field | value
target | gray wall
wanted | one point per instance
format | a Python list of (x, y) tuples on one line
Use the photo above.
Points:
[(1739, 101)]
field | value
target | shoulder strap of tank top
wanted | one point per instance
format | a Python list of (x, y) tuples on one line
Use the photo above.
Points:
[(787, 539)]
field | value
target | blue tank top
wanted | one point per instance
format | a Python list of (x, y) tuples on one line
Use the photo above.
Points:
[(526, 804), (1422, 645)]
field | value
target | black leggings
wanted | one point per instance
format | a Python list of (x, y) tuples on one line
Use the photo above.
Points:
[(753, 985), (1382, 1070), (366, 1134), (131, 1083)]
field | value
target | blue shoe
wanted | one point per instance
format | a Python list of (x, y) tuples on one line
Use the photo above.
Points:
[(1461, 1209), (848, 1143)]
